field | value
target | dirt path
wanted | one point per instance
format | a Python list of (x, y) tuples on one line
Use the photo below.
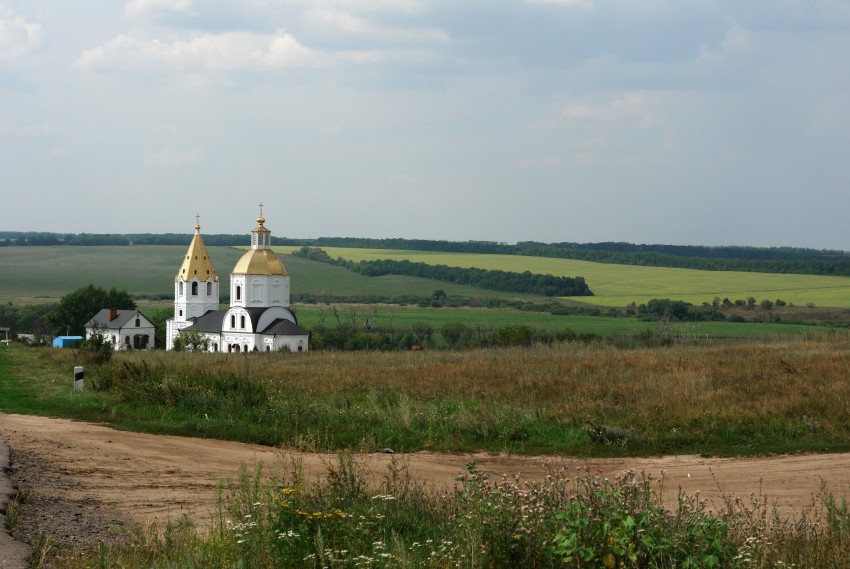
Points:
[(87, 481)]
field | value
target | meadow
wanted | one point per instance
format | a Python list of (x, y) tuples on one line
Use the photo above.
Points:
[(582, 399), (715, 397), (620, 285)]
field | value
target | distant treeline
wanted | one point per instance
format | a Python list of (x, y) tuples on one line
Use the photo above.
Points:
[(11, 238), (726, 258), (750, 259), (508, 281)]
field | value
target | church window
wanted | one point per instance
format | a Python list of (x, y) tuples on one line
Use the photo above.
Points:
[(138, 322), (268, 348), (233, 321), (127, 340), (238, 292), (195, 288), (242, 322), (180, 312), (209, 289), (180, 288)]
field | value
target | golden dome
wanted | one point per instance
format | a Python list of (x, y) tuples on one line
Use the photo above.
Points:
[(197, 263), (259, 262)]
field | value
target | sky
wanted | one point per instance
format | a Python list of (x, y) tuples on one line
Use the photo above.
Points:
[(697, 122)]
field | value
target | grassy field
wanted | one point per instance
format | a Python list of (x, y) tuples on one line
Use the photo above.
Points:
[(45, 274), (716, 397), (406, 316), (750, 397), (619, 285)]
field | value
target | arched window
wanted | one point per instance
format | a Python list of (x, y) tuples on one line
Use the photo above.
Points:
[(238, 292), (138, 322), (242, 322), (180, 313), (209, 289), (195, 288), (268, 348), (180, 288), (233, 321)]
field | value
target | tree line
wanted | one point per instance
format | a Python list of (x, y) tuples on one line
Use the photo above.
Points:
[(790, 260), (507, 281)]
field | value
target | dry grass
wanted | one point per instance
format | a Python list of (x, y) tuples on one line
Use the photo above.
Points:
[(760, 396)]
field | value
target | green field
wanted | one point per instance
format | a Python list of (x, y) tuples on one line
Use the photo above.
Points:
[(406, 316), (619, 285), (45, 274)]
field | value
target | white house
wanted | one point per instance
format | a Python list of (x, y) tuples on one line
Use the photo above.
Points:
[(260, 317), (124, 329)]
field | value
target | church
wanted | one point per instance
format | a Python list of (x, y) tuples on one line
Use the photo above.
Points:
[(259, 318)]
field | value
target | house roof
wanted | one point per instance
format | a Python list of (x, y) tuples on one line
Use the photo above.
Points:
[(101, 319)]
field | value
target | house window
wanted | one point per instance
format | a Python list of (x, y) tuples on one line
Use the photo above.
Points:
[(195, 288)]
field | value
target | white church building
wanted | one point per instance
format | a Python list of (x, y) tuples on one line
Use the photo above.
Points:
[(259, 318)]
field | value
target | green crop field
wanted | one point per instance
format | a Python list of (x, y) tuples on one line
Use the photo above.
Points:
[(44, 274), (619, 285), (34, 275)]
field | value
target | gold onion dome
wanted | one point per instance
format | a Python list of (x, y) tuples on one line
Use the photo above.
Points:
[(197, 263), (259, 262)]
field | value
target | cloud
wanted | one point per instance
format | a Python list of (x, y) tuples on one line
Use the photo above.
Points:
[(570, 3), (206, 52), (633, 106), (153, 8), (18, 37), (174, 157), (339, 21)]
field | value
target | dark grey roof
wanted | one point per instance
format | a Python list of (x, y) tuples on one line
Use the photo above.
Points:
[(101, 319), (212, 322), (254, 314), (283, 327), (209, 321)]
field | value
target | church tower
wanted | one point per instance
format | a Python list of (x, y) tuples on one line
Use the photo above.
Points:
[(195, 287), (259, 279)]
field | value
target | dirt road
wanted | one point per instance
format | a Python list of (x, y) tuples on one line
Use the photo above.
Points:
[(86, 481)]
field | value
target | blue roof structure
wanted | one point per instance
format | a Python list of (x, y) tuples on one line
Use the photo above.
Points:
[(66, 341)]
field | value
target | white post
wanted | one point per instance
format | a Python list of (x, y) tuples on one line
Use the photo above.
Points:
[(78, 378)]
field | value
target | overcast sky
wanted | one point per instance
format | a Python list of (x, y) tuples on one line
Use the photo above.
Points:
[(648, 121)]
